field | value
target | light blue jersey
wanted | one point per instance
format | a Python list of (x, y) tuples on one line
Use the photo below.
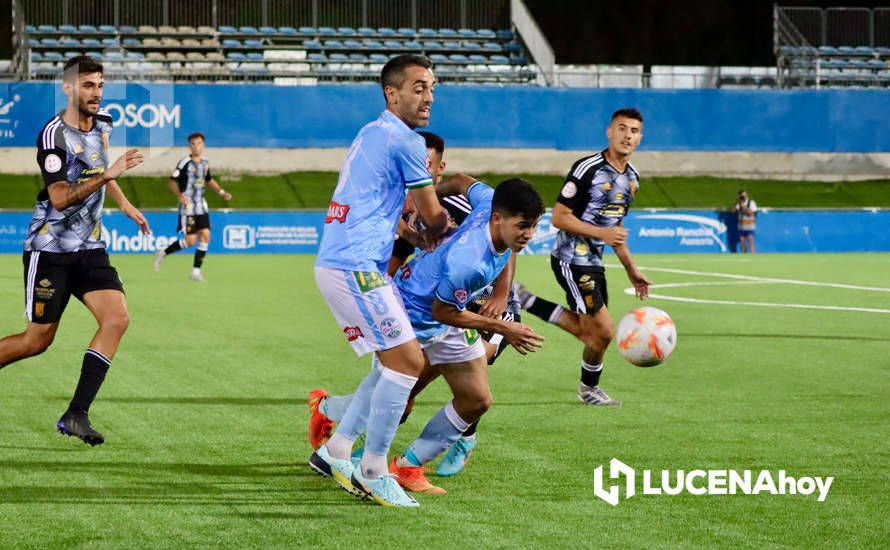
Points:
[(386, 158), (458, 268)]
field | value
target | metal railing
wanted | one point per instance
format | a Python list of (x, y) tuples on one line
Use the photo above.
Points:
[(831, 26)]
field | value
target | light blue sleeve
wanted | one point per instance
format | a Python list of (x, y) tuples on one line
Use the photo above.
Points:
[(411, 158), (458, 282), (479, 193)]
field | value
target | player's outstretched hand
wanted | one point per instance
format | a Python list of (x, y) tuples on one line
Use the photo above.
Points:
[(134, 214), (640, 282), (523, 339), (613, 236), (131, 159), (184, 201)]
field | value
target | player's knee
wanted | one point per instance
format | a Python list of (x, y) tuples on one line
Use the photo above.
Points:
[(117, 322), (37, 342)]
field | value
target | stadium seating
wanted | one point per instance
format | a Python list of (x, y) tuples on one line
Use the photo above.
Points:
[(343, 53), (841, 66)]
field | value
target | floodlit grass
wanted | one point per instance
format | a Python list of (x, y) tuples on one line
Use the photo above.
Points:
[(205, 417), (314, 189)]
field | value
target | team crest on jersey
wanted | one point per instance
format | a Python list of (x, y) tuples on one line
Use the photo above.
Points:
[(461, 296), (581, 249), (353, 333), (569, 190), (607, 186), (336, 212), (52, 163), (406, 272), (391, 327)]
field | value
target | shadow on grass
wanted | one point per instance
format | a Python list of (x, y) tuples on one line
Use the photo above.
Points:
[(241, 401)]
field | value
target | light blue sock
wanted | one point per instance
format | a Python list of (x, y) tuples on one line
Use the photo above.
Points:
[(334, 406), (387, 405), (355, 418), (439, 433)]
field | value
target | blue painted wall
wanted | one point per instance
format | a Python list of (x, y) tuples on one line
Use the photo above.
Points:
[(329, 116), (650, 232)]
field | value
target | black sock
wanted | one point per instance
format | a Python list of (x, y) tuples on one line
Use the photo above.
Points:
[(471, 430), (92, 374), (543, 309), (199, 257), (590, 377), (173, 248)]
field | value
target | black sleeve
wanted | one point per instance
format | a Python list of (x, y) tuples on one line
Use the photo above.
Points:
[(575, 190), (402, 249), (52, 156), (207, 175), (180, 175)]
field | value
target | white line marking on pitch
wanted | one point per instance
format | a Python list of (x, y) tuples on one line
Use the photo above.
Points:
[(748, 279)]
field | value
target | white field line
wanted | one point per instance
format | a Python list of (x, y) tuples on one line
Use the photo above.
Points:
[(747, 279)]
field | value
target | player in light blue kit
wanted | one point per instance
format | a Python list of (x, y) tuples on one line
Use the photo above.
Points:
[(386, 158), (437, 286)]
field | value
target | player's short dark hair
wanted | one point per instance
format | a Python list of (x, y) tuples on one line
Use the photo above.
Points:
[(433, 141), (517, 197), (627, 112), (81, 64), (194, 135), (393, 73)]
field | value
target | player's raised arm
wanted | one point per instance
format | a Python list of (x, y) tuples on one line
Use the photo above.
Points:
[(519, 335), (63, 194), (429, 208), (458, 184)]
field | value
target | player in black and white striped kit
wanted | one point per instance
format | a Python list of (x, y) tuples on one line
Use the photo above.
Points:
[(188, 182), (64, 251)]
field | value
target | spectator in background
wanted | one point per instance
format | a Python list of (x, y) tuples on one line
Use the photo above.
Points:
[(746, 210)]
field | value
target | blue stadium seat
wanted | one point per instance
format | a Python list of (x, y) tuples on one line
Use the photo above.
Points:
[(505, 34), (248, 30), (386, 31), (788, 50), (413, 45), (114, 56), (425, 32), (466, 33), (353, 44), (372, 44), (471, 46), (358, 57), (235, 56), (49, 42), (439, 58), (231, 43), (827, 50), (33, 43), (846, 50), (392, 44), (47, 28), (492, 47), (68, 29), (378, 58), (127, 42), (458, 58), (327, 31), (30, 29), (432, 45), (338, 57), (226, 29), (519, 60), (54, 56), (497, 58), (865, 51), (476, 58), (289, 31), (876, 64), (308, 30), (346, 31), (268, 30), (95, 55), (366, 31), (69, 55), (312, 44), (36, 56), (511, 47), (486, 33), (91, 29), (333, 44), (253, 43), (317, 57), (406, 31), (127, 29), (70, 42), (135, 55), (450, 33), (883, 51), (108, 29), (254, 56)]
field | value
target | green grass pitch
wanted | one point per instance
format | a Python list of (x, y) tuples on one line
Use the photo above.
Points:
[(205, 417)]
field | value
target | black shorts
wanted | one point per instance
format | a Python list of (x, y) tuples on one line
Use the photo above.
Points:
[(51, 278), (585, 286), (192, 224)]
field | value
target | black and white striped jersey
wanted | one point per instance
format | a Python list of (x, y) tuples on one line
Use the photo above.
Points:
[(192, 178), (599, 195), (70, 155)]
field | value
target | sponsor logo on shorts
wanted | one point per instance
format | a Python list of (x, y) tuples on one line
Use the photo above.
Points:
[(460, 295), (353, 333), (45, 283), (391, 327), (44, 291), (336, 212)]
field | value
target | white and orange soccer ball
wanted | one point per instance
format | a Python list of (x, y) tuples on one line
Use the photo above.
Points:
[(646, 336)]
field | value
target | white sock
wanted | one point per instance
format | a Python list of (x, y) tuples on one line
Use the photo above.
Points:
[(339, 446)]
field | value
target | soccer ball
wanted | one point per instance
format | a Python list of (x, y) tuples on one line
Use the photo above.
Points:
[(646, 336)]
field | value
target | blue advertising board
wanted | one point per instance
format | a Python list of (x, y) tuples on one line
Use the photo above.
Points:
[(655, 231), (162, 115)]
